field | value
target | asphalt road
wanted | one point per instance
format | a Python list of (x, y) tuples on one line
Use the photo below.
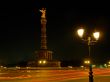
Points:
[(53, 75)]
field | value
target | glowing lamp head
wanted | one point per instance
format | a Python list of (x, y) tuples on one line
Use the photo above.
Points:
[(40, 62), (109, 62), (96, 35), (80, 32), (44, 62), (87, 61)]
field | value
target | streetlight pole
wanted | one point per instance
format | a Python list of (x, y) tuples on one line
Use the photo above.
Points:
[(90, 65), (89, 43)]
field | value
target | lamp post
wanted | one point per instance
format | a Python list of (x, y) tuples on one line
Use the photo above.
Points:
[(42, 62), (89, 41)]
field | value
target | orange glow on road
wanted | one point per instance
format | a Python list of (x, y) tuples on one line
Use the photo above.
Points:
[(50, 75)]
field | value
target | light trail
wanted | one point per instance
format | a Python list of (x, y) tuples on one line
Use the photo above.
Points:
[(49, 75)]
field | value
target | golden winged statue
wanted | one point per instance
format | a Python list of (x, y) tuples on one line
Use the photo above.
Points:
[(43, 11)]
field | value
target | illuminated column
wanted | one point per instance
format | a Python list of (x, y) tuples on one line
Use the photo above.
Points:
[(43, 29), (44, 52)]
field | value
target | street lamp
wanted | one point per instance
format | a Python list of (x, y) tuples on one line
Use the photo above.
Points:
[(89, 41), (42, 61), (80, 32), (109, 62), (87, 61)]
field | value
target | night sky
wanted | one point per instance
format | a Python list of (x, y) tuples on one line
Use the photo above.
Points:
[(20, 29)]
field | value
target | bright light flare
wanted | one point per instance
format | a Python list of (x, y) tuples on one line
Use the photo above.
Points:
[(96, 35), (80, 32), (44, 62), (109, 62), (40, 62), (87, 62)]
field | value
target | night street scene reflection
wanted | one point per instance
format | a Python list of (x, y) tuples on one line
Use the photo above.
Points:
[(54, 41)]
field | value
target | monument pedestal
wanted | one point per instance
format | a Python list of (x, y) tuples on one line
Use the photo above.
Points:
[(44, 63)]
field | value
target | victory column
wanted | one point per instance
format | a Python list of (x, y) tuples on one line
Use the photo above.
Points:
[(44, 56)]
